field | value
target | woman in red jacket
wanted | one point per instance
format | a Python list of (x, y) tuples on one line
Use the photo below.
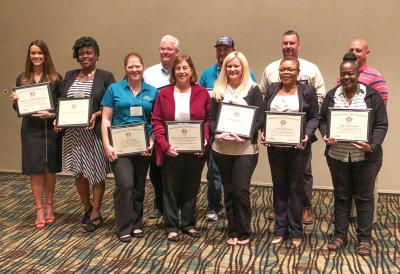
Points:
[(183, 100)]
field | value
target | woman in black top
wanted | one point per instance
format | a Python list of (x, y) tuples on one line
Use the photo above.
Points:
[(41, 146), (83, 153), (288, 163), (354, 166)]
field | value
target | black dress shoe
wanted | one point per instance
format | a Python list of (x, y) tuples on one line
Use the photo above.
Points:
[(138, 234), (86, 216), (93, 225), (125, 239)]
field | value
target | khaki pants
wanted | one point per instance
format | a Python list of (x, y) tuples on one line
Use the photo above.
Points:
[(353, 212)]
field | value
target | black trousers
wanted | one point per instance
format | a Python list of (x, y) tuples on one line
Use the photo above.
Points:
[(287, 170), (236, 172), (308, 180), (156, 180), (130, 178), (181, 182), (354, 180)]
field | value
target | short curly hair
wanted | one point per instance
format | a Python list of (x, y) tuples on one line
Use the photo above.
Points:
[(85, 41)]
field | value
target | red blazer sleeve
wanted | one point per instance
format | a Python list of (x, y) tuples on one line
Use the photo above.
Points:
[(157, 121), (207, 118), (164, 110)]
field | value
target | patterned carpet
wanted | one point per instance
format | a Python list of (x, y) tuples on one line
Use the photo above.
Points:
[(62, 248)]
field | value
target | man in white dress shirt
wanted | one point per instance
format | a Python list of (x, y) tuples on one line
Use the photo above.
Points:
[(158, 76)]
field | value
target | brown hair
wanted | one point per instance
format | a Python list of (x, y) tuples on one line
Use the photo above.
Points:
[(133, 54), (49, 70), (180, 58), (129, 55), (291, 32)]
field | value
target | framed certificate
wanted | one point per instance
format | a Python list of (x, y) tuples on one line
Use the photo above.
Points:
[(284, 128), (187, 136), (129, 139), (349, 125), (33, 98), (74, 112), (238, 119)]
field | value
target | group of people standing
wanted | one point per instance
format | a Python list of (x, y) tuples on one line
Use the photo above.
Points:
[(169, 92)]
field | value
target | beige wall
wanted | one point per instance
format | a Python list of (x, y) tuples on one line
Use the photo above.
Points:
[(121, 26)]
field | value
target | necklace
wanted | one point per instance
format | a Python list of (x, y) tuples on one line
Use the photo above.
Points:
[(349, 100), (86, 77), (291, 91)]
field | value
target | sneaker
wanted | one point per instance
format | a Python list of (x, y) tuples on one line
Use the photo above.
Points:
[(155, 214), (211, 216), (308, 218)]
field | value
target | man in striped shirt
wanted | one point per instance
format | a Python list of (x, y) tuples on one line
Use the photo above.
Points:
[(368, 75), (373, 78)]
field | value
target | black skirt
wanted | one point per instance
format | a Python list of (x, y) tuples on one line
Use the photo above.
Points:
[(41, 146)]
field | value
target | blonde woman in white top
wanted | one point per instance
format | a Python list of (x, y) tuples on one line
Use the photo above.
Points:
[(236, 157)]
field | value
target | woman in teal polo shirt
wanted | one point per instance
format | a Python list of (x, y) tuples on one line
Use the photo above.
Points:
[(129, 101)]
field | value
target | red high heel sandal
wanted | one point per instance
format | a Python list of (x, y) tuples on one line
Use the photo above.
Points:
[(49, 219), (39, 225)]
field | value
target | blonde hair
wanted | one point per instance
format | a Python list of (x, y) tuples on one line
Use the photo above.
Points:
[(222, 81)]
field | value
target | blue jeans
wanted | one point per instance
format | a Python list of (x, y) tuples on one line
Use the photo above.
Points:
[(214, 183)]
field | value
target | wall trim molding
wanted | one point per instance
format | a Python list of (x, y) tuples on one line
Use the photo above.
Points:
[(204, 181)]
